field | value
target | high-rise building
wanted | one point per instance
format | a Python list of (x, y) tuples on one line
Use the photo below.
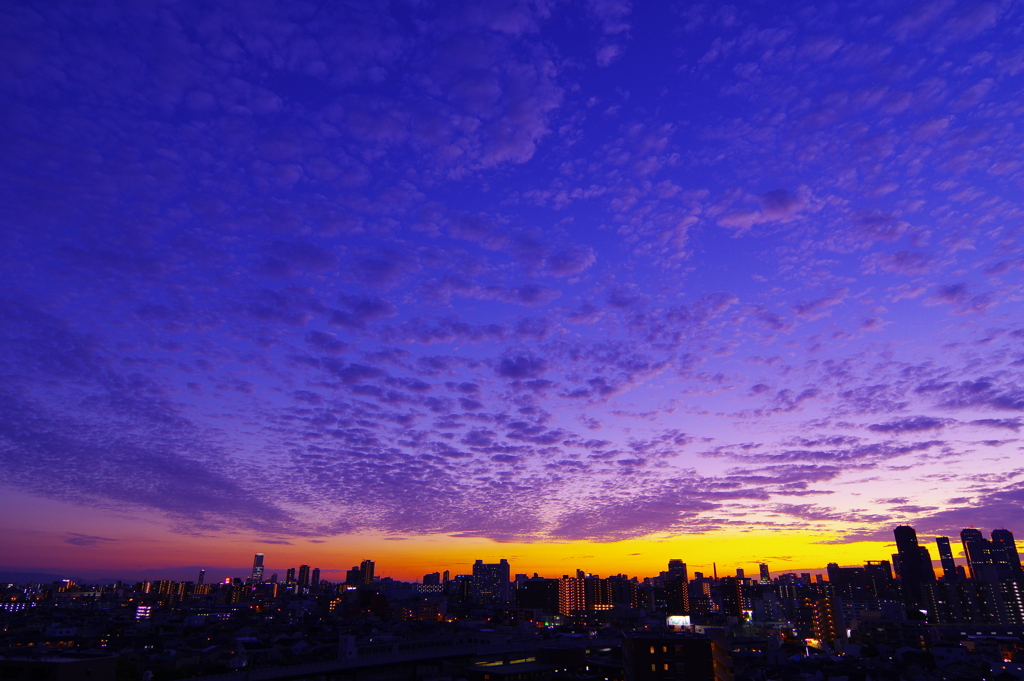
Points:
[(949, 573), (354, 577), (677, 570), (571, 594), (677, 596), (625, 592), (433, 578), (827, 619), (314, 578), (366, 572), (257, 569), (732, 593), (1005, 558), (538, 593), (491, 581), (979, 555), (202, 577), (766, 577), (878, 574), (303, 575), (915, 566), (289, 576)]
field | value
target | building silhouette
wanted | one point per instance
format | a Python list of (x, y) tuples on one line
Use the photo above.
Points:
[(949, 572), (366, 572), (979, 555), (491, 582), (1003, 550), (915, 566), (675, 657), (257, 569)]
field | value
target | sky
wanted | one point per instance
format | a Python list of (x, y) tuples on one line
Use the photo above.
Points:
[(584, 284)]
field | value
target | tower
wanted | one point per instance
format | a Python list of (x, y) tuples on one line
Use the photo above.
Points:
[(366, 571), (303, 575), (915, 566), (766, 577), (946, 556), (257, 569), (1003, 550), (979, 555)]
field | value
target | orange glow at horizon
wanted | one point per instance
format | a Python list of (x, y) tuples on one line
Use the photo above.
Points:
[(132, 544)]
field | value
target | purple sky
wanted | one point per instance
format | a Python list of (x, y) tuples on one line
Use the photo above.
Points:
[(526, 271)]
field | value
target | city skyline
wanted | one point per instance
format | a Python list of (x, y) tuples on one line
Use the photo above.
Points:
[(944, 564), (559, 282)]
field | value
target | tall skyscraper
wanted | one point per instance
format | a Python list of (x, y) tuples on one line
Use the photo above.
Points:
[(979, 555), (202, 577), (915, 566), (303, 575), (766, 577), (314, 579), (1003, 550), (949, 573), (257, 569), (366, 571), (491, 581), (289, 576)]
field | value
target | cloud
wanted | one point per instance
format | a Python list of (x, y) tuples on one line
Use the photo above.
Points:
[(903, 262), (818, 308), (1010, 424), (960, 299), (290, 258), (521, 367), (910, 424), (982, 392), (387, 269), (570, 261), (76, 539), (361, 310)]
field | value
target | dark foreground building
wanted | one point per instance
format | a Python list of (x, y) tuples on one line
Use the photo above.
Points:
[(675, 657), (62, 667)]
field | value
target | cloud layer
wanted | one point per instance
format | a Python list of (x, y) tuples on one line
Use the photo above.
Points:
[(527, 271)]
